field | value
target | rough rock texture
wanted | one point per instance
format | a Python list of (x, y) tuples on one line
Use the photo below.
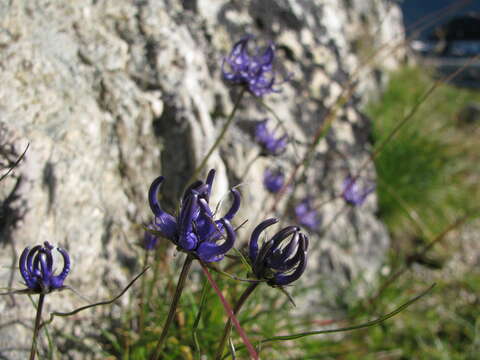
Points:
[(110, 94)]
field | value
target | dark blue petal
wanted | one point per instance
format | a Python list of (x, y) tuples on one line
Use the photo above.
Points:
[(282, 260), (282, 235), (189, 212), (253, 244), (165, 222), (285, 279), (24, 270), (211, 251), (57, 281), (235, 205)]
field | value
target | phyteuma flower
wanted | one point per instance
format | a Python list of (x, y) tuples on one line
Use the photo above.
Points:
[(273, 180), (194, 230), (254, 71), (306, 215), (149, 238), (267, 140), (36, 267), (355, 190), (281, 259)]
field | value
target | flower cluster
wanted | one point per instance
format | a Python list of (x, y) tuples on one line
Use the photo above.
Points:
[(280, 260), (355, 193), (194, 230), (266, 139), (36, 268), (255, 72), (273, 180), (306, 215)]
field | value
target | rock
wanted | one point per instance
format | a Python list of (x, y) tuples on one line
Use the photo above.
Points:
[(110, 94)]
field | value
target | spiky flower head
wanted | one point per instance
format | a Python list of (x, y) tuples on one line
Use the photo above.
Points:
[(356, 190), (194, 230), (36, 268), (307, 215), (254, 71), (281, 259), (273, 180), (270, 144)]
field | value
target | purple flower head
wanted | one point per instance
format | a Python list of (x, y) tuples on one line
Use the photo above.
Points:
[(254, 71), (355, 192), (281, 259), (306, 215), (273, 180), (149, 239), (270, 145), (194, 230), (36, 267)]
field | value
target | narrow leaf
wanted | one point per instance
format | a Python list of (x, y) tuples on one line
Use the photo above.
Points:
[(349, 328)]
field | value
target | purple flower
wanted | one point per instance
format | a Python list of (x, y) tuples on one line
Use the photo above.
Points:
[(273, 180), (355, 193), (252, 71), (270, 145), (282, 259), (194, 230), (307, 215), (36, 267), (149, 238)]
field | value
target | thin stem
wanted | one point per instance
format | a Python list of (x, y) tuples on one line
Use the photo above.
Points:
[(220, 136), (157, 354), (249, 165), (228, 326), (141, 303), (38, 318)]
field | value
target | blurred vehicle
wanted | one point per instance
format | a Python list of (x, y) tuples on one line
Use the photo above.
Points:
[(458, 37), (450, 47)]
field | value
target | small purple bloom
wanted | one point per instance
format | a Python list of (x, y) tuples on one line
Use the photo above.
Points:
[(307, 215), (270, 145), (355, 193), (36, 267), (252, 71), (273, 180), (282, 259), (149, 239), (194, 230)]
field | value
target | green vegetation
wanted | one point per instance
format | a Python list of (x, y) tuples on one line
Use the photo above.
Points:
[(427, 172), (428, 177), (427, 180)]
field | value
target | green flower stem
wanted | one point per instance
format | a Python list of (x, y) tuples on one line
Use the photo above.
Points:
[(156, 271), (220, 136), (228, 325), (38, 318), (141, 303), (157, 354)]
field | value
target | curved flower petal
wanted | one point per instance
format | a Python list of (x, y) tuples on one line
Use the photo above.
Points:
[(235, 205), (57, 281), (282, 260), (285, 279), (211, 251), (24, 270), (283, 234), (253, 244), (166, 223), (190, 211)]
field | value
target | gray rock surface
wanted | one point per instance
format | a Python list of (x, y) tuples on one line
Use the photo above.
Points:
[(110, 94)]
